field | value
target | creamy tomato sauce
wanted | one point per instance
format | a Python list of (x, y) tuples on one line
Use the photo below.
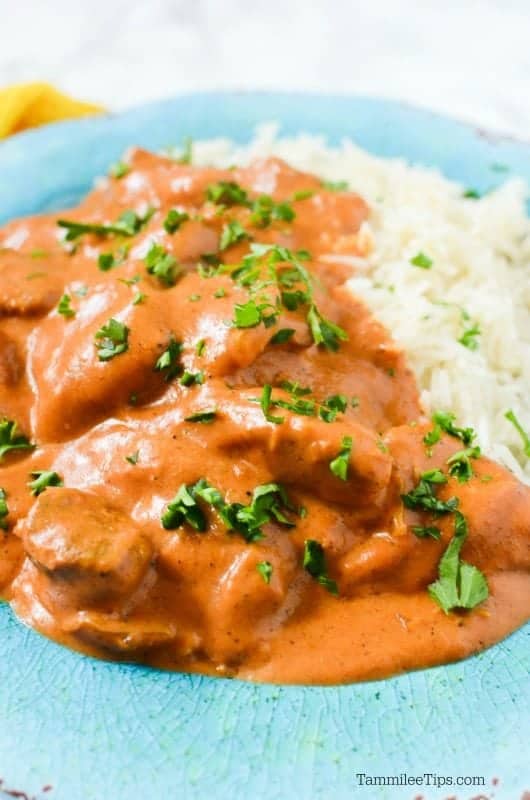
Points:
[(214, 458)]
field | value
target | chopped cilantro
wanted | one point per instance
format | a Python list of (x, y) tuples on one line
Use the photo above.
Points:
[(510, 416), (421, 260), (425, 531), (221, 292), (232, 233), (174, 220), (4, 510), (106, 261), (266, 404), (42, 479), (111, 339), (265, 570), (444, 421), (162, 265), (459, 585), (314, 562), (460, 463), (119, 170), (184, 508), (191, 378), (10, 439), (133, 458), (200, 347), (324, 331), (469, 337), (471, 194), (422, 497), (335, 186), (339, 465), (139, 298), (127, 224), (64, 308), (282, 336), (169, 362), (206, 416), (227, 193)]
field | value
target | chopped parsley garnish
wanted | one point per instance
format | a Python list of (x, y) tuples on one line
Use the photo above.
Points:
[(184, 508), (4, 511), (314, 562), (423, 498), (269, 503), (127, 224), (227, 193), (460, 463), (265, 570), (200, 347), (10, 439), (119, 170), (133, 458), (106, 261), (425, 531), (459, 585), (421, 260), (250, 314), (444, 421), (232, 233), (206, 416), (162, 265), (64, 308), (221, 292), (265, 210), (303, 194), (112, 339), (469, 337), (194, 298), (139, 298), (339, 465), (191, 378), (265, 402), (471, 194), (324, 331), (42, 479), (335, 186), (174, 220), (282, 336), (169, 361), (510, 416)]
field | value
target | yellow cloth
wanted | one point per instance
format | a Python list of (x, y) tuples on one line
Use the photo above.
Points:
[(30, 104)]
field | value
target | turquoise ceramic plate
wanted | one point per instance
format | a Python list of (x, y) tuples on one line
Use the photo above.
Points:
[(98, 731)]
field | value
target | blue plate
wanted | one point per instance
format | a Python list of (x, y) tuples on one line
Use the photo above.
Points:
[(99, 731)]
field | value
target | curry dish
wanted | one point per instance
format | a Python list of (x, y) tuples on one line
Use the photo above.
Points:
[(213, 458)]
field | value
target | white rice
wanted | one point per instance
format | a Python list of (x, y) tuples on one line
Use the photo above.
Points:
[(480, 251)]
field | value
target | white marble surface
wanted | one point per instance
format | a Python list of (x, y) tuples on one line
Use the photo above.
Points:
[(470, 58)]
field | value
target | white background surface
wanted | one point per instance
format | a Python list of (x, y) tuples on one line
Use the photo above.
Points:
[(470, 58)]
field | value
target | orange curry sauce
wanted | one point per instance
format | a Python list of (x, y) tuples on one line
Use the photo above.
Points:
[(223, 437)]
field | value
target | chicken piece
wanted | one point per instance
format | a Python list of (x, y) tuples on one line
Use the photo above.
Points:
[(88, 554)]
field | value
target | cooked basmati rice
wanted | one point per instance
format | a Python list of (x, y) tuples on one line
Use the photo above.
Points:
[(480, 276)]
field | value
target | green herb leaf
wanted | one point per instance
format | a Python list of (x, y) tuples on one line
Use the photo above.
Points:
[(460, 463), (314, 562), (128, 224), (112, 339), (119, 170), (469, 337), (232, 233), (221, 292), (460, 585), (227, 193), (200, 347), (247, 315), (445, 421), (335, 186), (10, 439), (162, 265), (421, 260), (42, 480), (510, 416), (471, 194), (324, 331), (191, 378), (282, 336), (106, 261), (265, 402), (339, 465), (169, 360), (64, 308), (424, 531), (265, 570), (206, 416), (422, 497), (133, 458), (4, 510), (184, 508), (174, 220)]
